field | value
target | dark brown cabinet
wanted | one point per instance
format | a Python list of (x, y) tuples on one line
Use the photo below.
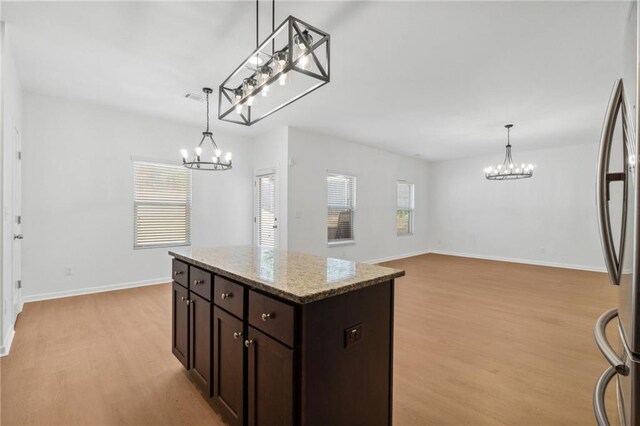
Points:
[(270, 381), (180, 328), (201, 339), (262, 360), (228, 371)]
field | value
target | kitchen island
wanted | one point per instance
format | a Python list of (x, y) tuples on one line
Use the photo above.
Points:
[(280, 338)]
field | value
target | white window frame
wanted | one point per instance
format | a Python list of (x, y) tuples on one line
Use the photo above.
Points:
[(352, 240), (136, 203), (411, 210)]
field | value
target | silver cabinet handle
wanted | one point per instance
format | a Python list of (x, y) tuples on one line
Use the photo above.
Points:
[(599, 331), (176, 273), (604, 178), (237, 335), (185, 300), (198, 282), (18, 237), (248, 343), (598, 396), (266, 317), (226, 295)]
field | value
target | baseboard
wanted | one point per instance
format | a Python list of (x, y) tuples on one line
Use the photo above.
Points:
[(91, 290), (524, 261), (6, 345), (397, 257)]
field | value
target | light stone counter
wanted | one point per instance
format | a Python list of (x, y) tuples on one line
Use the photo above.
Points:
[(298, 277)]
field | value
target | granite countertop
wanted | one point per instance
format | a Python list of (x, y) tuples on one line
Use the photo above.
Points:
[(298, 277)]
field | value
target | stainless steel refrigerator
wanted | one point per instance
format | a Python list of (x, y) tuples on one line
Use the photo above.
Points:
[(619, 214)]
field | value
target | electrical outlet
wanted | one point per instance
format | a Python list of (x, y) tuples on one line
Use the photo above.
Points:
[(352, 335), (67, 271)]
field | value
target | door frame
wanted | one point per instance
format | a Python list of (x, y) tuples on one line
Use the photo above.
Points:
[(16, 207), (263, 171)]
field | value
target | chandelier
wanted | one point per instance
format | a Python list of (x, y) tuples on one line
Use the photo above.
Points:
[(508, 169), (200, 161), (289, 64)]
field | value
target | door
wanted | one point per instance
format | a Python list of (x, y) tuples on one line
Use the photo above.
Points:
[(200, 339), (266, 217), (180, 326), (17, 226), (228, 363), (270, 381)]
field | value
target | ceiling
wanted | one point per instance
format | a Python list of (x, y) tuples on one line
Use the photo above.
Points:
[(436, 79)]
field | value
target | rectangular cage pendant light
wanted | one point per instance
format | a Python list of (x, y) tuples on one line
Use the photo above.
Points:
[(291, 63)]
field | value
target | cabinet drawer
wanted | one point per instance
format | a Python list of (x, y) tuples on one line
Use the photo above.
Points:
[(229, 296), (200, 282), (271, 316), (180, 273)]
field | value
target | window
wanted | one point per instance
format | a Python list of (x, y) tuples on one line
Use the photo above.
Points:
[(266, 220), (161, 205), (404, 209), (341, 196)]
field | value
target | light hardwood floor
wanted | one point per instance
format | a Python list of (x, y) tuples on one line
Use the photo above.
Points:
[(476, 342)]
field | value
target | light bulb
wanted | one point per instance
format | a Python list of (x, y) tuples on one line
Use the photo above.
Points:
[(304, 62), (499, 166), (215, 159), (184, 153), (250, 101), (248, 84), (228, 156), (265, 91), (198, 151), (239, 108), (522, 166), (265, 73), (284, 78), (511, 165), (299, 41), (237, 94), (531, 166), (217, 153)]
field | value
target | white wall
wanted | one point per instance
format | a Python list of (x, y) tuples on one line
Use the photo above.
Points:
[(548, 219), (78, 188), (11, 122), (376, 174)]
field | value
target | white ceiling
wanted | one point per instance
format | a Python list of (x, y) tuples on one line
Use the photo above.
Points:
[(431, 78)]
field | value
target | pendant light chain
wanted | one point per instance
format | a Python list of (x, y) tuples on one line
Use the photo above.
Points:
[(207, 111)]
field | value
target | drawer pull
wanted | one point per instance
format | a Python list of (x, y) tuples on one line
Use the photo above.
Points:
[(176, 273), (248, 343), (267, 317), (237, 335), (185, 300), (198, 282), (226, 295)]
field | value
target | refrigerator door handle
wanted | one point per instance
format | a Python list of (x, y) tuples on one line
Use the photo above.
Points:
[(598, 396), (603, 180), (599, 331)]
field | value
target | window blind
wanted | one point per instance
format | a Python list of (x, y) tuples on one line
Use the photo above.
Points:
[(404, 209), (266, 210), (341, 191), (162, 205)]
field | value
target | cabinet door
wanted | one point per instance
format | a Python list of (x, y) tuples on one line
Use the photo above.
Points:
[(180, 324), (200, 349), (228, 356), (270, 381)]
